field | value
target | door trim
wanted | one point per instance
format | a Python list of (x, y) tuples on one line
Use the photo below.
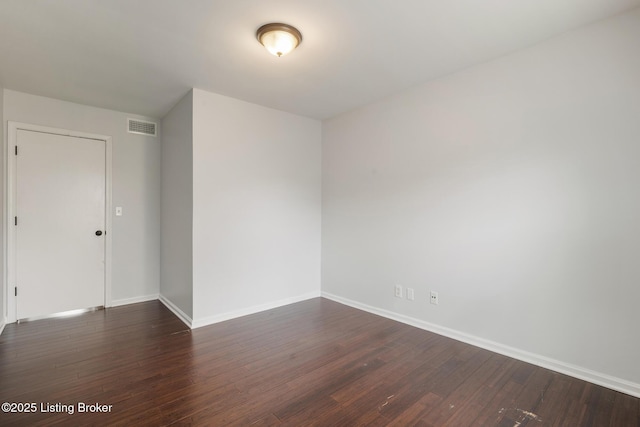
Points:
[(9, 239)]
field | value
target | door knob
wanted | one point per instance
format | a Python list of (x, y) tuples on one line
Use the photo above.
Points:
[(98, 233)]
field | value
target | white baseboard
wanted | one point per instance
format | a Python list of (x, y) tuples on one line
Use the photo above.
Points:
[(175, 310), (126, 301), (598, 378), (3, 323), (198, 323)]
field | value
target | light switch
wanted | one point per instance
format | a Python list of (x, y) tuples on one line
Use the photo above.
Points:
[(119, 211)]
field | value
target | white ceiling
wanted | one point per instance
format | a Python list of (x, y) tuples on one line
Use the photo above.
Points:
[(142, 56)]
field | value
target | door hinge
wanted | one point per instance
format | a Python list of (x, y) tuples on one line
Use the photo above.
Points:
[(16, 290), (16, 150), (15, 220)]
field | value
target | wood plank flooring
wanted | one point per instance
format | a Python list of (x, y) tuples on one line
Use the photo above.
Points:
[(312, 363)]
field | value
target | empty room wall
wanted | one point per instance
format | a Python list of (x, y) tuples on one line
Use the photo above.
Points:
[(176, 254), (510, 188), (136, 186), (256, 207)]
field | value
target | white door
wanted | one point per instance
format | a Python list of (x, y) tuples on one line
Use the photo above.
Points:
[(60, 223)]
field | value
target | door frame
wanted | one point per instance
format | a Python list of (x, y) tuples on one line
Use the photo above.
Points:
[(9, 239)]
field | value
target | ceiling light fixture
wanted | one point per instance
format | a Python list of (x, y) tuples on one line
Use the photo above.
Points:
[(279, 39)]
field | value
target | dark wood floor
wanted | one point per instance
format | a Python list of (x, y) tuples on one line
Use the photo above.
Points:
[(311, 363)]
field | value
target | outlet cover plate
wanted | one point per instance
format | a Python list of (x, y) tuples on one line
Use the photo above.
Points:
[(434, 298), (398, 291)]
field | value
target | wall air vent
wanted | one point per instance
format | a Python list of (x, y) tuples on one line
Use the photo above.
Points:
[(141, 127)]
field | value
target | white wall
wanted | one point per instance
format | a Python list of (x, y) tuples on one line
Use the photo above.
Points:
[(256, 210), (176, 255), (511, 189), (136, 186), (3, 291)]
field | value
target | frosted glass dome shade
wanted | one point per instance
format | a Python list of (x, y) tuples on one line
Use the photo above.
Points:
[(279, 39)]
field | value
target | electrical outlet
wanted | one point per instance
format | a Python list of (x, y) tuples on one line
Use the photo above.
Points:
[(410, 294), (434, 298), (398, 290)]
